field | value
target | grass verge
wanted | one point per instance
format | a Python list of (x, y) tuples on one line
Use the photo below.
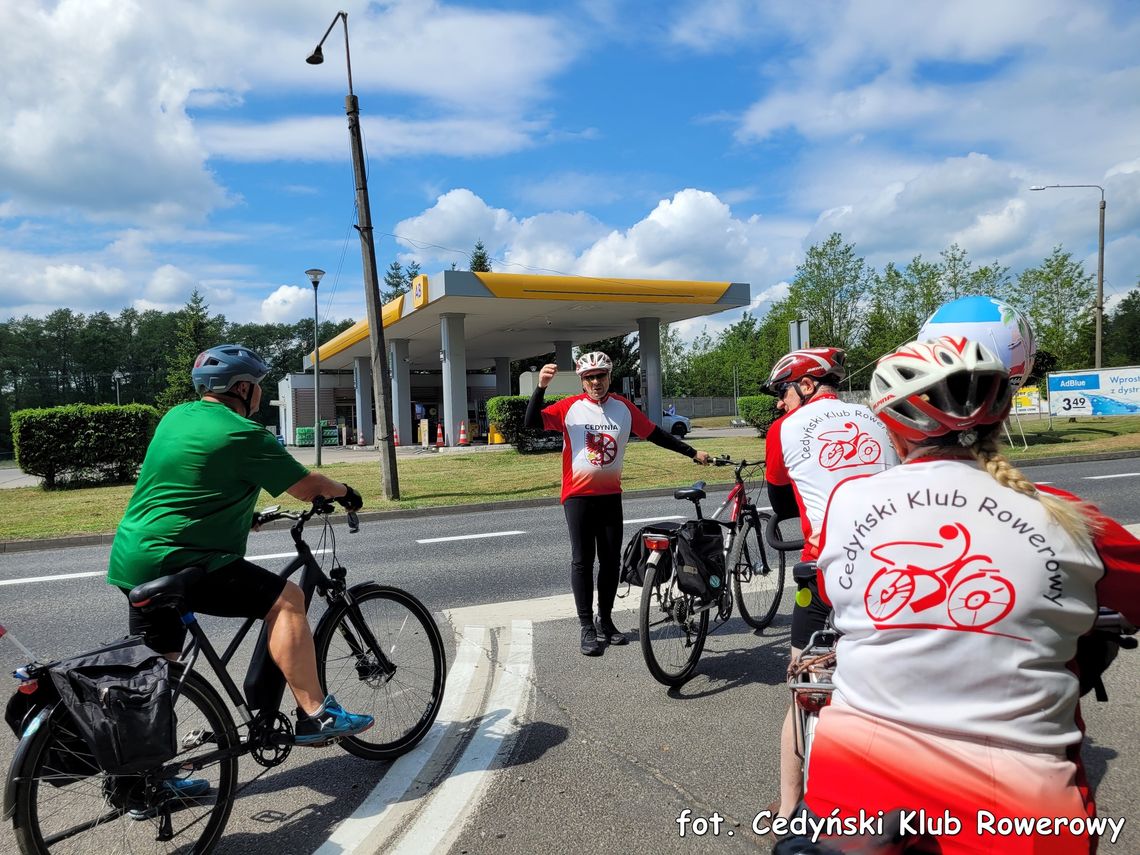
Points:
[(460, 479)]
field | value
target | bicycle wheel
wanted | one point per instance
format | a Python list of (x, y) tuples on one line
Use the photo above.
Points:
[(672, 636), (758, 586), (404, 704), (64, 804)]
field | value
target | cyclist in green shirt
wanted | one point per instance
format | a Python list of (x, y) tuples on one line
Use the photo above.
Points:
[(194, 505)]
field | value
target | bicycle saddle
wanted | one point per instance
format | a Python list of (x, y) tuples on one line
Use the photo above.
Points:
[(804, 572), (693, 494), (167, 591)]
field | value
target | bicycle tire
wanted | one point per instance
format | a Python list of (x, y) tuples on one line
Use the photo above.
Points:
[(757, 585), (47, 778), (661, 633), (406, 704)]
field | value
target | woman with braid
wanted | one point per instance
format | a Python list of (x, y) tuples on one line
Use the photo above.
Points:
[(961, 588)]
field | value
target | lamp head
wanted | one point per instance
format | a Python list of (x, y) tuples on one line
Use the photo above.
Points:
[(1038, 187), (316, 57), (315, 275)]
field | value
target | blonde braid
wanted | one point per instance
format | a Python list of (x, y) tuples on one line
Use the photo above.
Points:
[(1077, 519)]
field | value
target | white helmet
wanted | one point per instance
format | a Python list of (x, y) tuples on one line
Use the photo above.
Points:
[(928, 389), (595, 361)]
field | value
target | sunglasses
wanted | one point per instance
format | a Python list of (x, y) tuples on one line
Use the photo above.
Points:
[(590, 378)]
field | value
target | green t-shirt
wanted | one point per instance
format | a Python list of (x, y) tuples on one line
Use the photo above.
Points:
[(195, 496)]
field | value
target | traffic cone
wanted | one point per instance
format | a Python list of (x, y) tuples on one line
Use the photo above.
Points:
[(463, 433), (439, 434), (396, 437)]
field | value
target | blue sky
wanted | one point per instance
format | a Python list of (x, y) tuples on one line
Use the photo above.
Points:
[(148, 148)]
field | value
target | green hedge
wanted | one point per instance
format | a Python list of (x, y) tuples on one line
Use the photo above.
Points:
[(507, 412), (83, 442), (759, 411)]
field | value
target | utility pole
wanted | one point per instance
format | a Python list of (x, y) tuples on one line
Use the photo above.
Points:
[(381, 379)]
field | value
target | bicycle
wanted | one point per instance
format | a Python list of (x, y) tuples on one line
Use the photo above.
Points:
[(673, 624), (377, 647)]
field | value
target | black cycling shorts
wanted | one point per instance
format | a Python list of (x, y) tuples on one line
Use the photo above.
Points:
[(239, 589), (810, 618)]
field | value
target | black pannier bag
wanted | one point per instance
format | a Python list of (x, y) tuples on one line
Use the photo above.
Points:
[(700, 559), (120, 700), (69, 759), (635, 555)]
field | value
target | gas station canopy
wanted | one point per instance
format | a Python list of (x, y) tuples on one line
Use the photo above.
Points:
[(517, 315)]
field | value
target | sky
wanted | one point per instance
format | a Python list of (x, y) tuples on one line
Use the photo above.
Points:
[(151, 147)]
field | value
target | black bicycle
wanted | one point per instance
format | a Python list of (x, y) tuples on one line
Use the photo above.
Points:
[(674, 624), (378, 650)]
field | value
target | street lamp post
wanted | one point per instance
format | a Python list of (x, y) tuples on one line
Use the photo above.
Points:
[(381, 383), (315, 275), (118, 376), (1099, 312)]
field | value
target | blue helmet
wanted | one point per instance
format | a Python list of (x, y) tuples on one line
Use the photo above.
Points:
[(219, 368)]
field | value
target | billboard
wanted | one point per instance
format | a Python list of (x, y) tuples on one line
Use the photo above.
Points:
[(1095, 392), (1027, 399)]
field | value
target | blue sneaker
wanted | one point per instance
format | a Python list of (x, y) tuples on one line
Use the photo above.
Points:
[(178, 790), (328, 723)]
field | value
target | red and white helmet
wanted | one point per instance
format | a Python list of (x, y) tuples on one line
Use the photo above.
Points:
[(594, 361), (927, 389), (817, 362)]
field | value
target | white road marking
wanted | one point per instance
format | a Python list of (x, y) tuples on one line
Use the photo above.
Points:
[(470, 536), (437, 826), (653, 519), (32, 579), (292, 554), (1118, 475), (61, 577), (376, 809)]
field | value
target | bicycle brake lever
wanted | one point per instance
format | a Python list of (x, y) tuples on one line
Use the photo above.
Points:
[(353, 522)]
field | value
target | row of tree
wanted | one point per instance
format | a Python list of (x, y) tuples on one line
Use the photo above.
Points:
[(849, 304), (68, 357)]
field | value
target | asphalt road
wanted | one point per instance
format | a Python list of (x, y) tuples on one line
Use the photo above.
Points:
[(550, 751)]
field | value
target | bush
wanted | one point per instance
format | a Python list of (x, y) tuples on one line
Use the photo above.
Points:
[(759, 411), (507, 412), (83, 442)]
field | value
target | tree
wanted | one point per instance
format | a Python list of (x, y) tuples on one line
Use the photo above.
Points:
[(828, 290), (196, 331), (395, 283), (1057, 296), (1122, 332), (480, 261), (410, 274)]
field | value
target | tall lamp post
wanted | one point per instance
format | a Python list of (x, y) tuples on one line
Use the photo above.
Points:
[(1099, 261), (315, 275), (118, 376), (381, 384)]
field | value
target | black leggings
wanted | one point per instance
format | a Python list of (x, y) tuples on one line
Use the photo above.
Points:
[(595, 524)]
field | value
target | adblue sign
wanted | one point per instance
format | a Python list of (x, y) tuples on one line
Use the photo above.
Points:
[(1104, 392)]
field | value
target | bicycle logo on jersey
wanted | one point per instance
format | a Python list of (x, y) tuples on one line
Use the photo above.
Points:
[(848, 446), (961, 593), (601, 448)]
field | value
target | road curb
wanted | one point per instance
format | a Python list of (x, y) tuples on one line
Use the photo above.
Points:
[(512, 504)]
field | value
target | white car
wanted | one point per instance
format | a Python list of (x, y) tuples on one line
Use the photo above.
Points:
[(676, 425)]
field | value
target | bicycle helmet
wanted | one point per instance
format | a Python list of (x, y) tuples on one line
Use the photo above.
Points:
[(219, 368), (820, 363), (929, 389), (595, 361)]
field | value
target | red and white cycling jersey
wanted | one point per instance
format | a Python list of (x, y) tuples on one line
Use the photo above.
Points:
[(594, 439), (960, 602), (820, 444)]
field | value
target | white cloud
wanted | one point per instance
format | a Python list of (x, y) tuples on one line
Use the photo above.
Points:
[(96, 95), (170, 283), (287, 303), (326, 138)]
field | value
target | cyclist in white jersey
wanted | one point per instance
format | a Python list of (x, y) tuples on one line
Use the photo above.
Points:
[(596, 426), (818, 442), (961, 592)]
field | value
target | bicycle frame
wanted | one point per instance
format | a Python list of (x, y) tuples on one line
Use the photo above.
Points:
[(313, 579)]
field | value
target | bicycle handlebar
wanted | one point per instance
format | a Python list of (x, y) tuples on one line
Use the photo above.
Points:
[(320, 507)]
